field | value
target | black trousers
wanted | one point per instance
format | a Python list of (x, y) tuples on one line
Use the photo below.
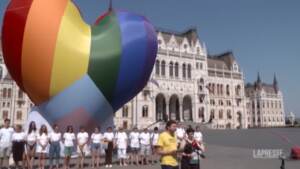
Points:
[(108, 153)]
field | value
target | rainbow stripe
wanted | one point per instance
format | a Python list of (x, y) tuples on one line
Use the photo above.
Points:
[(48, 47)]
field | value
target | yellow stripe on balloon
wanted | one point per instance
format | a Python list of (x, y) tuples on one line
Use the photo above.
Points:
[(72, 50)]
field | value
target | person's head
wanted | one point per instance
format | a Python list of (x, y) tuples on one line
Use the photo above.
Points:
[(109, 129), (32, 127), (69, 129), (121, 129), (97, 129), (190, 133), (197, 128), (81, 129), (6, 123), (18, 128), (155, 129), (43, 129), (171, 126), (135, 129), (56, 128), (145, 130)]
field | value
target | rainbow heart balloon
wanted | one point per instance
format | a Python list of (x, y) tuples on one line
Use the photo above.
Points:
[(76, 73)]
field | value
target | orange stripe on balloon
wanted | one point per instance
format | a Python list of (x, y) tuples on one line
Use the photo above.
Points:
[(39, 43)]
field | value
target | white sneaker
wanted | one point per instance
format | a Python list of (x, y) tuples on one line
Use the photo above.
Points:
[(110, 166), (106, 166)]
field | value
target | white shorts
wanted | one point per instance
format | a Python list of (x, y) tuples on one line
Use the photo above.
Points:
[(5, 151), (145, 150), (122, 153), (39, 149), (84, 151)]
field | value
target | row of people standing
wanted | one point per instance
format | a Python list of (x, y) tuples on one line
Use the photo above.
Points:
[(27, 145)]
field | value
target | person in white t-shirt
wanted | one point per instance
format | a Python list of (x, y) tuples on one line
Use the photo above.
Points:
[(121, 142), (18, 145), (134, 138), (199, 138), (96, 140), (109, 145), (145, 143), (82, 148), (31, 144), (154, 139), (42, 145), (68, 139), (54, 152), (5, 142), (180, 133)]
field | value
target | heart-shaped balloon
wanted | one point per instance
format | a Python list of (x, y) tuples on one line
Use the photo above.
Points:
[(73, 71)]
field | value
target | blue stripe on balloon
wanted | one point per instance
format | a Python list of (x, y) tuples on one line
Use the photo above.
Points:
[(82, 94), (133, 58)]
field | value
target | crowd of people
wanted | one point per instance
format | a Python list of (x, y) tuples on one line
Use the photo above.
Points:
[(36, 146)]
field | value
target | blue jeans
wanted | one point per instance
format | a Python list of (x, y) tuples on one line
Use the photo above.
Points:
[(54, 153), (169, 167)]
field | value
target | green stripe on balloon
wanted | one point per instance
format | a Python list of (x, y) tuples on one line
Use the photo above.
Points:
[(105, 54)]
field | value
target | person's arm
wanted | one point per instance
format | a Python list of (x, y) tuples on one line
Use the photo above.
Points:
[(159, 151)]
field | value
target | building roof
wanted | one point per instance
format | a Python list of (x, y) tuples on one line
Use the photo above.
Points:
[(191, 35), (221, 61), (268, 88)]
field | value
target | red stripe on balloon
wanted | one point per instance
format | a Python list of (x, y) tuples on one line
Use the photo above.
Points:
[(101, 17), (12, 37)]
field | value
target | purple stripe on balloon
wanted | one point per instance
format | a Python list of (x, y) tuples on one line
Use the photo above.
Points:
[(150, 53)]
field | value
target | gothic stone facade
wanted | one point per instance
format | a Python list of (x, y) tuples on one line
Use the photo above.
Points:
[(186, 85)]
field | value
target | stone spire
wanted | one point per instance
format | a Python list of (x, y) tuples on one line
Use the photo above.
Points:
[(258, 82), (275, 83)]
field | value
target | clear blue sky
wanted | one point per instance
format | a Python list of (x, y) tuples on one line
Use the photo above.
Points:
[(263, 34)]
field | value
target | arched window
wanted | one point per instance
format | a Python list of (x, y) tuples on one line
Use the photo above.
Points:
[(157, 67), (20, 94), (227, 90), (171, 69), (189, 71), (125, 111), (176, 69), (220, 114), (1, 72), (229, 114), (9, 92), (19, 115), (163, 68), (4, 93), (184, 70), (145, 111)]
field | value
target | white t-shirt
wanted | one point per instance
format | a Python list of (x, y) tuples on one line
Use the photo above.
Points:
[(109, 136), (32, 136), (69, 139), (19, 136), (96, 138), (82, 137), (121, 140), (55, 137), (145, 138), (198, 136), (6, 136), (134, 139), (180, 133), (43, 139), (154, 137)]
